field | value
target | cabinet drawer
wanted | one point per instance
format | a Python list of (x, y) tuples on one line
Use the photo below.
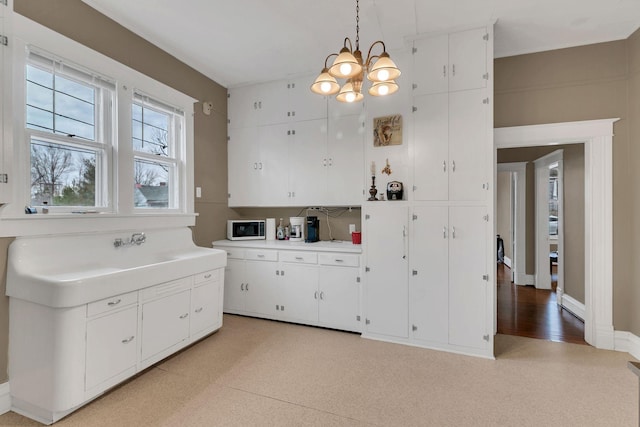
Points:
[(260, 255), (346, 260), (207, 276), (107, 304), (299, 257), (166, 289), (235, 253)]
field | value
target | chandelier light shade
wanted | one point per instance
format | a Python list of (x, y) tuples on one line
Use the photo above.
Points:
[(349, 65)]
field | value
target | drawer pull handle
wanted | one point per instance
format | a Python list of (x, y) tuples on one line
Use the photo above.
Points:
[(184, 316), (116, 302), (322, 295), (127, 340), (339, 260), (315, 295), (260, 256), (206, 276), (299, 258), (198, 310)]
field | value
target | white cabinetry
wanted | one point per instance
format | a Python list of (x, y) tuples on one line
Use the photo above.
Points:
[(451, 62), (385, 231), (6, 139), (449, 281), (63, 357), (451, 149), (250, 280), (112, 341), (310, 287), (165, 318)]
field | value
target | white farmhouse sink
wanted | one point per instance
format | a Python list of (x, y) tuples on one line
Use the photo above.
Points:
[(71, 270)]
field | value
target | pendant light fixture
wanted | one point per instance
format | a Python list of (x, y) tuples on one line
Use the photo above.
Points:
[(349, 65)]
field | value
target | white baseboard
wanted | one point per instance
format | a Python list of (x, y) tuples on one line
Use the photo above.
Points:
[(574, 306), (507, 261), (5, 398), (627, 342)]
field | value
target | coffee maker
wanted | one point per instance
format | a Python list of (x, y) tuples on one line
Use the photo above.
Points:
[(313, 229)]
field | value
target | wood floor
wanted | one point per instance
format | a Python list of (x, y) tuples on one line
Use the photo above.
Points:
[(529, 312)]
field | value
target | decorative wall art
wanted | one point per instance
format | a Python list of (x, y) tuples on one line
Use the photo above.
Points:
[(387, 131)]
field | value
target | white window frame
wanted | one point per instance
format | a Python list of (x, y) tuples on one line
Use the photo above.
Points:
[(104, 128), (122, 215)]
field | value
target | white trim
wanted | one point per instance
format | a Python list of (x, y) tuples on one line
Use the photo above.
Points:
[(5, 398), (597, 136), (627, 342), (519, 171), (507, 261), (573, 305)]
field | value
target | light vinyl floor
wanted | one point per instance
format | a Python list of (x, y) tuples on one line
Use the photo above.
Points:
[(262, 373)]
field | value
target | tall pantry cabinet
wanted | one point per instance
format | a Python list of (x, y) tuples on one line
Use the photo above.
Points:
[(435, 247)]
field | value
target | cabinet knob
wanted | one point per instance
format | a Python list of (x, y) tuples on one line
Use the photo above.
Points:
[(207, 276), (116, 302)]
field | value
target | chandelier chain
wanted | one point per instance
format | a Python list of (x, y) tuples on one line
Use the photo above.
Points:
[(357, 24)]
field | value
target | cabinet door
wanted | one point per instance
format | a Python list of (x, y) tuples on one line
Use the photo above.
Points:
[(111, 346), (469, 146), (431, 65), (242, 105), (468, 291), (234, 282), (468, 59), (273, 103), (304, 104), (244, 166), (298, 293), (165, 322), (386, 288), (273, 168), (345, 149), (431, 147), (307, 163), (261, 288), (205, 308), (429, 282), (339, 295)]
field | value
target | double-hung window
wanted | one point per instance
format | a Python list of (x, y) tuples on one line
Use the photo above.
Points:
[(69, 127), (157, 138)]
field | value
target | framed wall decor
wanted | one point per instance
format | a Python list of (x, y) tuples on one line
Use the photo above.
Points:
[(387, 130)]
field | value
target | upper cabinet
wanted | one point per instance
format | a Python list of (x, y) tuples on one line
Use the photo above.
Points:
[(278, 102), (451, 62)]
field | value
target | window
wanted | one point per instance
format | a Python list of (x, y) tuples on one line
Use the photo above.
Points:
[(68, 127), (156, 139)]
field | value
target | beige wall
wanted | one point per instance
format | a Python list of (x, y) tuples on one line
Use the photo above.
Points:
[(583, 83), (573, 167), (634, 189)]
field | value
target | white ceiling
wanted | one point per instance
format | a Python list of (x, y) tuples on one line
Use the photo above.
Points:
[(235, 42)]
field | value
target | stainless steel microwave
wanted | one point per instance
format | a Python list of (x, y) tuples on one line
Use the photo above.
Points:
[(245, 229)]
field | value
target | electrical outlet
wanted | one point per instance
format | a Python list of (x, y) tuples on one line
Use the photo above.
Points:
[(352, 228), (198, 192)]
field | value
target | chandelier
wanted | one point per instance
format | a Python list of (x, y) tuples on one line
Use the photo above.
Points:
[(381, 71)]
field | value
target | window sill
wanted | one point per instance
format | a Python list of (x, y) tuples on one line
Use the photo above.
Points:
[(65, 223)]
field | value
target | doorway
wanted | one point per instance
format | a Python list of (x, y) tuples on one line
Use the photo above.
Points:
[(597, 136)]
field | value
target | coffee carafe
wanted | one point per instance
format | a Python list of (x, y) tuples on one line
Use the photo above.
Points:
[(297, 228)]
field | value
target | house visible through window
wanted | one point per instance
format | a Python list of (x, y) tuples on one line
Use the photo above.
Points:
[(156, 134), (68, 119)]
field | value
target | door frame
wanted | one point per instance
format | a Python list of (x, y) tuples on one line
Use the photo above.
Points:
[(542, 239), (519, 259), (597, 136)]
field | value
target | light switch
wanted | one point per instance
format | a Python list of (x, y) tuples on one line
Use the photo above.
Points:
[(198, 192)]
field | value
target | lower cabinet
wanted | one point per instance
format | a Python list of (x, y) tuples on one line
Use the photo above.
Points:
[(308, 287), (62, 358), (111, 346)]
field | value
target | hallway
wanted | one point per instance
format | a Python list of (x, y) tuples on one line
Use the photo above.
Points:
[(529, 312)]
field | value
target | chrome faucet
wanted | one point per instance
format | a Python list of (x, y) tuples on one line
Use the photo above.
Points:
[(135, 239)]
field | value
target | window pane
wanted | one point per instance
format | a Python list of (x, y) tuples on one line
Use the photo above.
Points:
[(150, 131), (66, 107), (151, 184), (61, 175)]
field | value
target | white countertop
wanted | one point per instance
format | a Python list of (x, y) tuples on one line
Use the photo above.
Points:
[(322, 246)]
